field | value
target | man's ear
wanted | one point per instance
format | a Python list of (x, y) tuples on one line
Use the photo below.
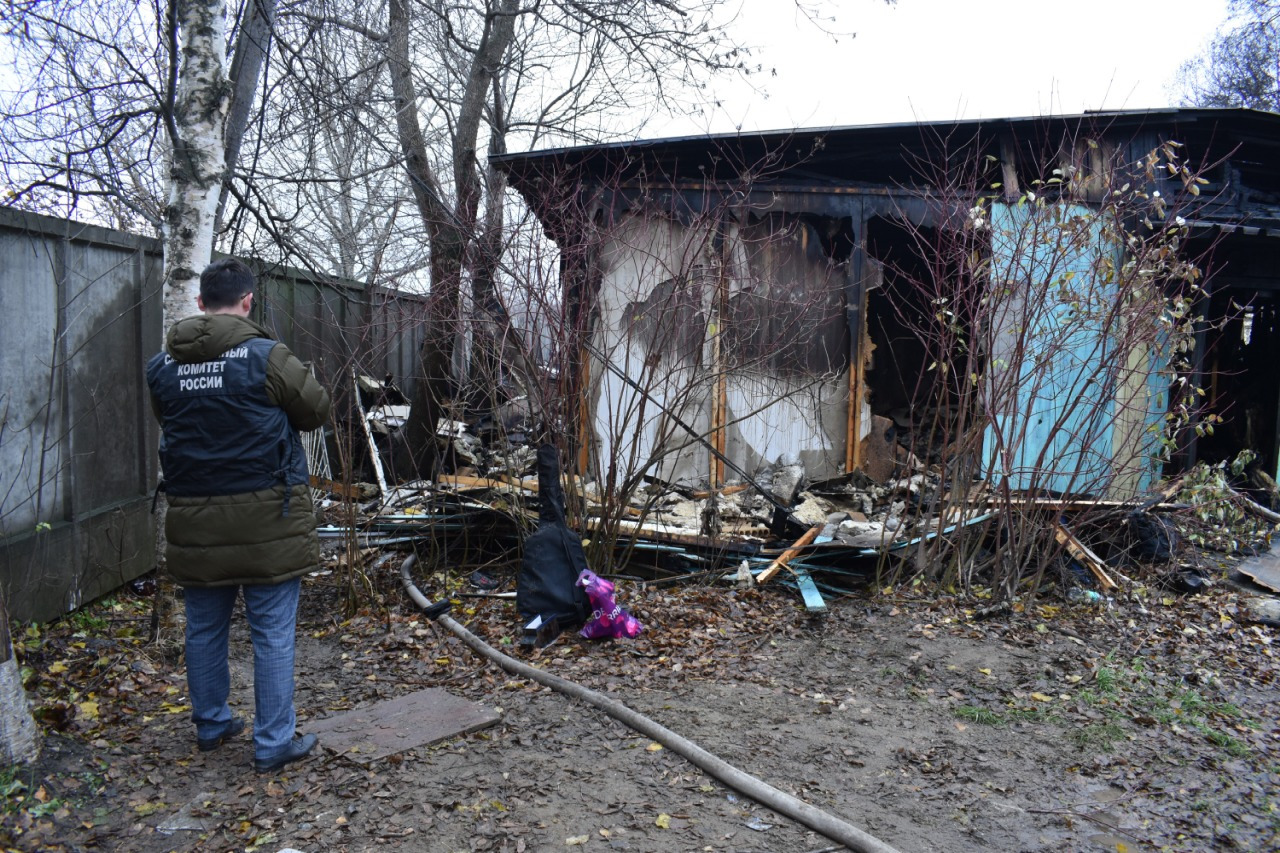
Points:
[(200, 302)]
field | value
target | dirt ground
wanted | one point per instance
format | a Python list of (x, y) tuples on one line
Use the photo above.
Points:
[(1144, 724)]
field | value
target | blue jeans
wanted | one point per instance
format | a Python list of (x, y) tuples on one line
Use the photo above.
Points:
[(272, 611)]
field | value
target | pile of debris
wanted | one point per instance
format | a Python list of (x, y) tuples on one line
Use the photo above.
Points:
[(777, 520), (746, 531)]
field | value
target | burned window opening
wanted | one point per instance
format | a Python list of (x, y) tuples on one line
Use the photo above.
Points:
[(1242, 348), (903, 383)]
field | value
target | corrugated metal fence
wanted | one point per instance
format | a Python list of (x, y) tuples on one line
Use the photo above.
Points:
[(80, 314)]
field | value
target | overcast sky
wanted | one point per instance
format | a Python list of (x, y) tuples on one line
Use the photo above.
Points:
[(933, 60)]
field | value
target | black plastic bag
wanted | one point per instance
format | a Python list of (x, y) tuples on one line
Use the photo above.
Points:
[(553, 558), (1155, 539)]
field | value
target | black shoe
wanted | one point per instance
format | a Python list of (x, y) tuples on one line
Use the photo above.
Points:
[(299, 747), (207, 744)]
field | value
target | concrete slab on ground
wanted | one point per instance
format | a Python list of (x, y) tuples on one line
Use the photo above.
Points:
[(418, 719), (192, 817)]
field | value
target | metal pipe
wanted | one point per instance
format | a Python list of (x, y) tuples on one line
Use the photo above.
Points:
[(819, 821)]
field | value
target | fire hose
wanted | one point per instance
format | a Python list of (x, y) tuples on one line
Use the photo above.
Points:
[(819, 821)]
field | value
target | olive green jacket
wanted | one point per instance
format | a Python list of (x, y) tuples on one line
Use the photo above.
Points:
[(244, 538)]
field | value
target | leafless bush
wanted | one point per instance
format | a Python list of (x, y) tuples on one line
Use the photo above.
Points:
[(1058, 316)]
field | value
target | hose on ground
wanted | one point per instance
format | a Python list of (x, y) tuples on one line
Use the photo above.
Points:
[(819, 821)]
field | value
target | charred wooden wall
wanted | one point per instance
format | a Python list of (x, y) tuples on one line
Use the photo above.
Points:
[(741, 314)]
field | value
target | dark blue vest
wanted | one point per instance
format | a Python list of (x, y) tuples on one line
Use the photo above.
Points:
[(222, 435)]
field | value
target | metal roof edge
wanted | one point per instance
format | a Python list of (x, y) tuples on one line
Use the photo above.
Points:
[(1123, 116)]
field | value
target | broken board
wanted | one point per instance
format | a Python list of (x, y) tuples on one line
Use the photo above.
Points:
[(813, 601), (367, 734), (1263, 569)]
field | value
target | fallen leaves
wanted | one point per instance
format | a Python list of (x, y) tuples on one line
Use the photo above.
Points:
[(700, 639)]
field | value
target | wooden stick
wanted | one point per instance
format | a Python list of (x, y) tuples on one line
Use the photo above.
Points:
[(1257, 508), (789, 554), (528, 483), (1171, 490), (1078, 550), (351, 492)]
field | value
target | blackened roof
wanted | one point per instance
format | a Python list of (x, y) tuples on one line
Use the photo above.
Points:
[(898, 154)]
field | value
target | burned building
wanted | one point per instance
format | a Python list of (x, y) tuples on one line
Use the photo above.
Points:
[(795, 297)]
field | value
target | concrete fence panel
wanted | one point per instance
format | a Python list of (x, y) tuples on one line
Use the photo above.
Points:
[(80, 313)]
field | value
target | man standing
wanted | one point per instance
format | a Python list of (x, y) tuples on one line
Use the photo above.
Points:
[(230, 401)]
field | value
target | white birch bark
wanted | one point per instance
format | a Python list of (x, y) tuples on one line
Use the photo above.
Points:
[(18, 741), (201, 102), (19, 737)]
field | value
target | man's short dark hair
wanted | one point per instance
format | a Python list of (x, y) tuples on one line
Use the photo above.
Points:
[(224, 283)]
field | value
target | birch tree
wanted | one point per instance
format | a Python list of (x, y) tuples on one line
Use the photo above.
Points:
[(19, 737), (117, 88), (126, 112), (197, 117)]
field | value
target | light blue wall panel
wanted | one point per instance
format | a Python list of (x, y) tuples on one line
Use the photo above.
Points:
[(1050, 401)]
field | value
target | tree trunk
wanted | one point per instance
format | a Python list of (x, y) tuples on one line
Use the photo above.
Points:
[(197, 121), (19, 737), (436, 355), (495, 339), (451, 231)]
